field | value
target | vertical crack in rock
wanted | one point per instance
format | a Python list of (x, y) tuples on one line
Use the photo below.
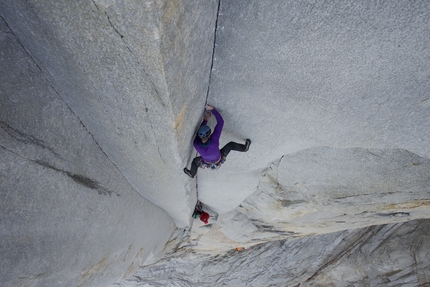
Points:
[(122, 37), (213, 49), (158, 96)]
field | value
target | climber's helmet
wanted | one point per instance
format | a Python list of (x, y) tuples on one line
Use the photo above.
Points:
[(204, 132)]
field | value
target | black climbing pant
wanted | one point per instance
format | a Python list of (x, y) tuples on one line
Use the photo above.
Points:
[(232, 146), (198, 161)]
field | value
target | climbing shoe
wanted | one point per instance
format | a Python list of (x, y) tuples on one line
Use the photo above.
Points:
[(247, 144), (188, 172)]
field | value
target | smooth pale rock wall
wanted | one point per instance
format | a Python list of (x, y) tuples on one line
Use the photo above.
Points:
[(68, 216), (338, 93), (386, 255), (135, 73), (324, 190)]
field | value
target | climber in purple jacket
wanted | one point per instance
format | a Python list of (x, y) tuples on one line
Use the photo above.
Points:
[(207, 145)]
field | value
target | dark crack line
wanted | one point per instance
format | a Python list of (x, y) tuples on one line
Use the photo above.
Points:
[(386, 236), (80, 179), (109, 21), (58, 94), (213, 49), (31, 57), (395, 214), (359, 241), (411, 156), (131, 52), (374, 154), (24, 138), (20, 43), (158, 97), (155, 136), (94, 2), (356, 195), (113, 27), (159, 152), (154, 87)]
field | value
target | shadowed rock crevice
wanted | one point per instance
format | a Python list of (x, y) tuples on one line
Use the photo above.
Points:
[(99, 83), (214, 47)]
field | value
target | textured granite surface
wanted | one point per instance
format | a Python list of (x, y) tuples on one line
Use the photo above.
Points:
[(385, 255), (335, 98), (135, 73), (99, 104), (68, 216)]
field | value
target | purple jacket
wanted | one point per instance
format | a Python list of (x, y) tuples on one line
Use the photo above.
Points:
[(211, 153)]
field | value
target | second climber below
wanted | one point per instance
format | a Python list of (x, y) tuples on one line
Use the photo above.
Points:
[(207, 145)]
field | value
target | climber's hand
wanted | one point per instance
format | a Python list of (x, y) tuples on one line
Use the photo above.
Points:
[(208, 114), (210, 108)]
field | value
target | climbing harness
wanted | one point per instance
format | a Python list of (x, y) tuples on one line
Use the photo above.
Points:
[(212, 165)]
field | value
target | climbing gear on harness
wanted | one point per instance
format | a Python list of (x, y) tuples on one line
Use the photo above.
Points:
[(204, 132), (213, 165)]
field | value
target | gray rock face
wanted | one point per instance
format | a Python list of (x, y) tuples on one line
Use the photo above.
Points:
[(335, 189), (68, 216), (135, 73), (99, 103), (323, 190), (335, 95), (386, 255), (293, 75)]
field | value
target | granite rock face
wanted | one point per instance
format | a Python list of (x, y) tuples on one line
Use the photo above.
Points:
[(97, 101), (385, 255), (323, 190), (135, 73), (294, 75), (100, 103), (335, 98), (68, 216)]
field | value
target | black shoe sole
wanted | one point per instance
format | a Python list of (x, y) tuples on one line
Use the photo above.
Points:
[(187, 172), (247, 145)]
